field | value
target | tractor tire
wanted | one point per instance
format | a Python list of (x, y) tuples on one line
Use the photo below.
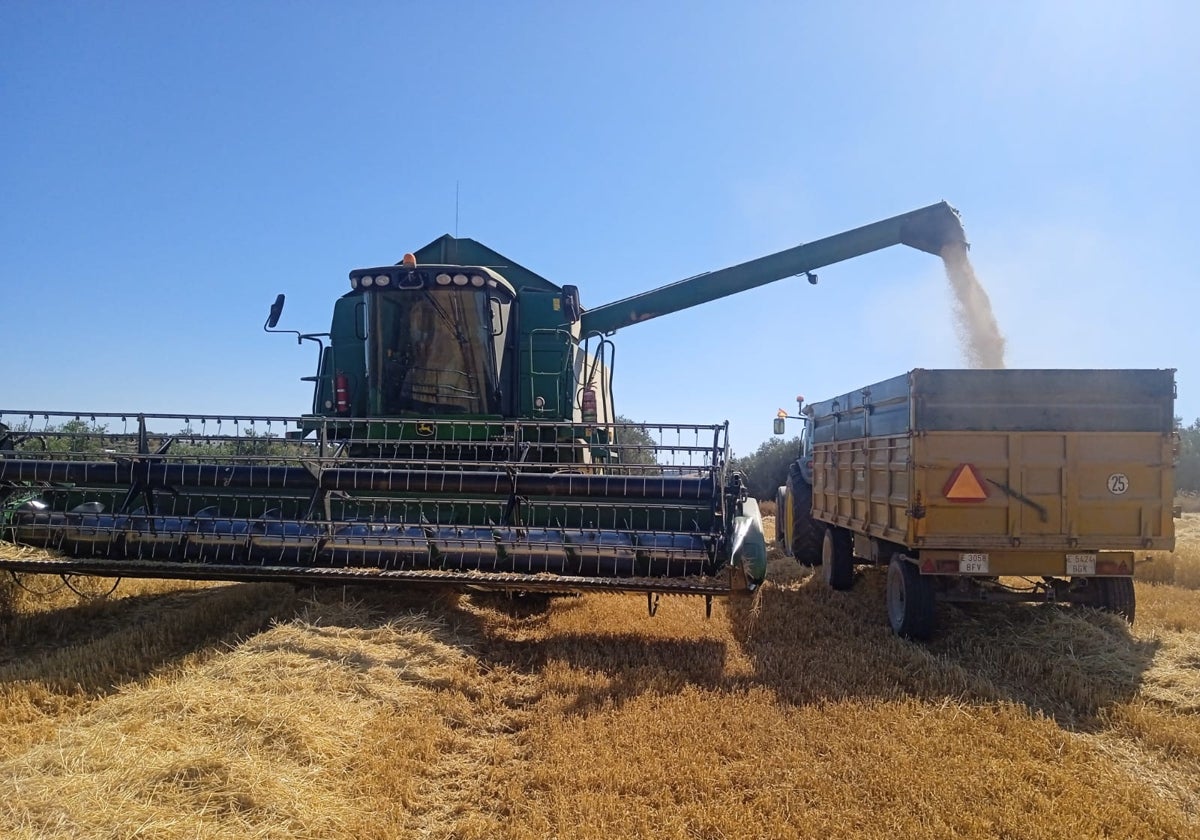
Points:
[(837, 558), (781, 522), (911, 605), (807, 533), (1113, 595)]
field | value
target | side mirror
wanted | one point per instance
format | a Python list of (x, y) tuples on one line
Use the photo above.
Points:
[(779, 424), (276, 311), (570, 303)]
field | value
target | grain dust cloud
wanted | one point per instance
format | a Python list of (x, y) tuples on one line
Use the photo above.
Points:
[(978, 333)]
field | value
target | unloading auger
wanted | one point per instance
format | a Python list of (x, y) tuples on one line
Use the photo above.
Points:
[(462, 433)]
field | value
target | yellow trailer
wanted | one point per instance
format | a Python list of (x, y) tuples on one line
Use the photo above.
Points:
[(984, 485)]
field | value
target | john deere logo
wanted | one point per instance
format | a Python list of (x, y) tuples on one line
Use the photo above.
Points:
[(425, 429)]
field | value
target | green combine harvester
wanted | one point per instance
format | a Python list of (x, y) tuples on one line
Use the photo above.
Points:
[(462, 432)]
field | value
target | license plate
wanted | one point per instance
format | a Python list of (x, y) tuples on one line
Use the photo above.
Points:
[(973, 564), (1081, 564)]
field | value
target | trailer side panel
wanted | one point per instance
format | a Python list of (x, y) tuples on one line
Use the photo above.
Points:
[(1033, 461)]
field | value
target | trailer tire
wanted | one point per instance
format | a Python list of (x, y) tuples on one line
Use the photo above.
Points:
[(805, 539), (1119, 598), (910, 600), (837, 558), (1112, 595)]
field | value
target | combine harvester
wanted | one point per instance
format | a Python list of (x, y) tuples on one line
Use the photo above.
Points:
[(462, 433)]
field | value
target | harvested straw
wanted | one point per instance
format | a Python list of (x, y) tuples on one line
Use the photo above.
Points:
[(245, 711)]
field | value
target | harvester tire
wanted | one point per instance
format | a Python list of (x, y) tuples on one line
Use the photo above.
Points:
[(837, 558), (807, 533), (1112, 595), (911, 605)]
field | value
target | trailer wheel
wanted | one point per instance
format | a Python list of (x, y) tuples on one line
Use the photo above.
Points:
[(837, 558), (806, 532), (1114, 595), (1119, 598), (910, 600)]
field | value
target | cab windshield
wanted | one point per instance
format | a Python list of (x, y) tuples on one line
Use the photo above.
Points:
[(433, 351)]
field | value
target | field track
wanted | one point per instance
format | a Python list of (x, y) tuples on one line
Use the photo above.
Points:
[(186, 710)]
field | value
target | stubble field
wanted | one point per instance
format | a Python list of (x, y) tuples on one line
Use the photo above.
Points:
[(186, 710)]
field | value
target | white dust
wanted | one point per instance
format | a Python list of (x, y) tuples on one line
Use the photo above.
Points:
[(978, 333)]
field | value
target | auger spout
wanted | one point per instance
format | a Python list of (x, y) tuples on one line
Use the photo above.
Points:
[(928, 229)]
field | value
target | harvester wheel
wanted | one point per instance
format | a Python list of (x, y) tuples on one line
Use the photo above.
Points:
[(837, 559), (1114, 595), (910, 600), (806, 533)]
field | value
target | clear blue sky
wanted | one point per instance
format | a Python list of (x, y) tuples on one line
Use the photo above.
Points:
[(167, 168)]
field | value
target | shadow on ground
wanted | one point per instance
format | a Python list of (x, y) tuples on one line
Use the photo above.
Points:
[(811, 644), (95, 646), (803, 642)]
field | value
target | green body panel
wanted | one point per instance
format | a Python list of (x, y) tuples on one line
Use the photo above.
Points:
[(345, 353), (749, 544), (545, 362)]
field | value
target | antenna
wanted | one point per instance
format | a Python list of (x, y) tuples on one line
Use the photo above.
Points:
[(456, 209)]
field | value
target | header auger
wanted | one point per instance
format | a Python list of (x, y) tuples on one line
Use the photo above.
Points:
[(462, 432)]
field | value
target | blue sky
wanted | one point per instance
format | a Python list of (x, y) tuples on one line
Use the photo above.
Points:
[(167, 168)]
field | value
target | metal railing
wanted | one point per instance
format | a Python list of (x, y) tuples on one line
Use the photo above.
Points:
[(461, 496)]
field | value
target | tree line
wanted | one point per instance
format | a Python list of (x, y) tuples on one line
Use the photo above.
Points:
[(766, 469), (84, 437), (1187, 470)]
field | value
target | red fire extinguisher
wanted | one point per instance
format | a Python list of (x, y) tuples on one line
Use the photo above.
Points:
[(341, 393), (588, 404)]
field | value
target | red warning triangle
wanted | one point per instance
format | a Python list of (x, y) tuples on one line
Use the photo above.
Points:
[(965, 485)]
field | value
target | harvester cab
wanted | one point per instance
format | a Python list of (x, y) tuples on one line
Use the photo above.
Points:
[(439, 339), (462, 432)]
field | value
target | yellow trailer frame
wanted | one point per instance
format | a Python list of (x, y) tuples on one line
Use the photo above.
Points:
[(1045, 494), (966, 478)]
